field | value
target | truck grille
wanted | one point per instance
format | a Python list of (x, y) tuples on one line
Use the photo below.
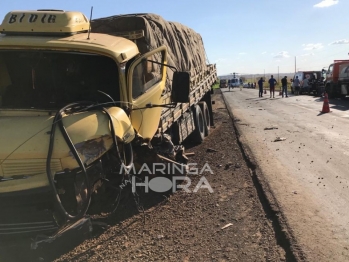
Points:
[(27, 167)]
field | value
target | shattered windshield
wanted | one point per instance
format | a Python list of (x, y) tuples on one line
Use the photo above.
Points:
[(51, 80)]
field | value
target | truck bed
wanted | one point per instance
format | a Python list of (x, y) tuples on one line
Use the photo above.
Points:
[(201, 85)]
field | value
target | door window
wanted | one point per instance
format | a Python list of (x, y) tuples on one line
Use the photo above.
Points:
[(146, 74)]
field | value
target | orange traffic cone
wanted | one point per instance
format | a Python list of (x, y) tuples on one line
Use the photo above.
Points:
[(326, 106)]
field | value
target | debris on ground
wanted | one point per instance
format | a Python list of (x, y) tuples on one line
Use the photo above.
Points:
[(227, 225), (277, 139), (190, 154), (271, 128), (211, 150)]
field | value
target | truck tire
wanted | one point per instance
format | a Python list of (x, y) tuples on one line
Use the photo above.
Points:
[(199, 122), (206, 113)]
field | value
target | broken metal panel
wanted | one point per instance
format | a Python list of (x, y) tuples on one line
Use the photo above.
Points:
[(77, 231), (89, 151)]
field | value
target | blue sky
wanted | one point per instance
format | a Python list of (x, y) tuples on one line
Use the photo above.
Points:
[(243, 36)]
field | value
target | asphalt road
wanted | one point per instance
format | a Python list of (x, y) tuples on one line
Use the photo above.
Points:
[(308, 172)]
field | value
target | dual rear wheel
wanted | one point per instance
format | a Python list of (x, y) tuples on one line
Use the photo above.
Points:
[(201, 121)]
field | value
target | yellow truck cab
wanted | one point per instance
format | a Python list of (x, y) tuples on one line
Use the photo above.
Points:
[(75, 106)]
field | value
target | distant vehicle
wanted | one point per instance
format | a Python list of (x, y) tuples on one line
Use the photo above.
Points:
[(245, 85), (235, 82), (337, 79), (315, 82), (223, 83)]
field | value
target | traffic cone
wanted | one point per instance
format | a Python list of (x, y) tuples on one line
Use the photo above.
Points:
[(326, 106)]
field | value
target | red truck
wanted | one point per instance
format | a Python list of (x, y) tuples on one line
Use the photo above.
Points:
[(337, 79)]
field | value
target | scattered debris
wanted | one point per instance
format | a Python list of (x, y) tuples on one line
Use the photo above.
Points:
[(295, 192), (280, 139), (271, 128), (211, 150), (228, 165), (227, 225), (190, 154)]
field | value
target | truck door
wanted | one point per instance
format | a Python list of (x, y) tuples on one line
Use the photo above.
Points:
[(146, 81), (329, 73)]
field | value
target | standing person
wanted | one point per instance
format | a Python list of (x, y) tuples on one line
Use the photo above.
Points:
[(272, 82), (296, 83), (284, 86), (305, 85), (260, 85)]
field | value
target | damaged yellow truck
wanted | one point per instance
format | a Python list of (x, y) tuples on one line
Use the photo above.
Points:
[(79, 99)]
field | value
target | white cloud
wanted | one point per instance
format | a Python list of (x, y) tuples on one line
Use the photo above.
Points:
[(309, 54), (242, 53), (219, 60), (282, 54), (326, 3), (312, 46), (340, 42), (264, 53)]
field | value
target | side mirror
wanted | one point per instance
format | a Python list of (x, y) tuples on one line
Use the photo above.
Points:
[(180, 87)]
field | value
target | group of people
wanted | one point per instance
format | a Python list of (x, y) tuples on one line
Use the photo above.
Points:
[(272, 83), (251, 85), (296, 84)]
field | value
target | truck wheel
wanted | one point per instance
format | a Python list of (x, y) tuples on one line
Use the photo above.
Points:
[(199, 122), (206, 113)]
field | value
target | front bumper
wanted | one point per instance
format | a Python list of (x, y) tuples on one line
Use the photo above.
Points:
[(26, 214)]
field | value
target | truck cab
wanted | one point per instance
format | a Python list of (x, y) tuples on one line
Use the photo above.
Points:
[(66, 119), (76, 106), (337, 81)]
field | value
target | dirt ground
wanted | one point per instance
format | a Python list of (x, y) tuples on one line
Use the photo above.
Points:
[(188, 226)]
